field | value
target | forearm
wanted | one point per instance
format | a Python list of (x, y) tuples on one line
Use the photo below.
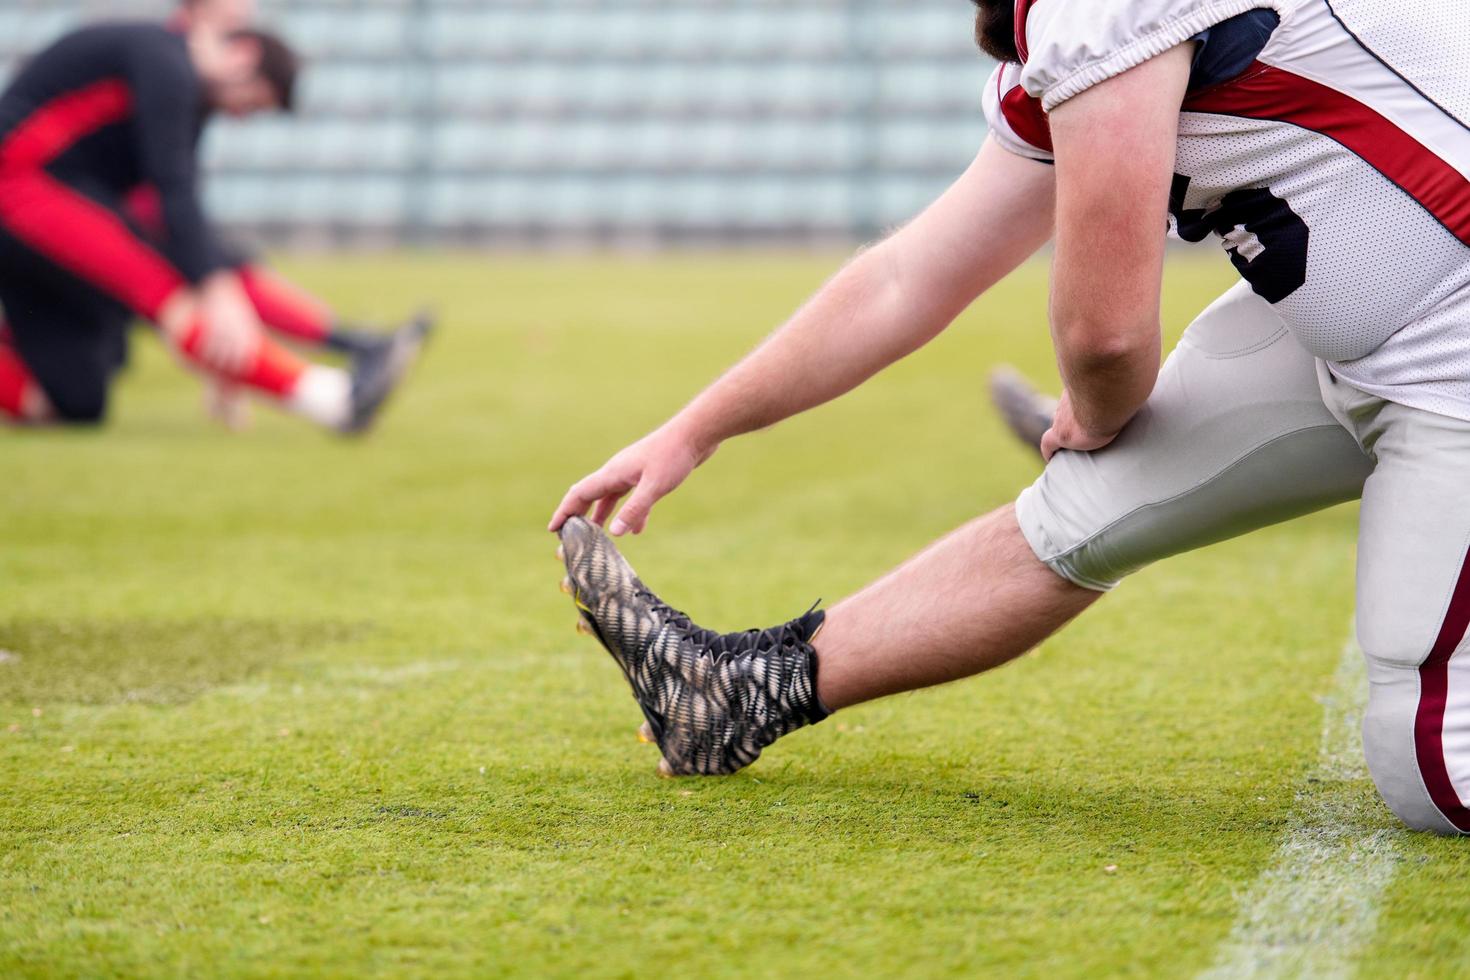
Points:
[(1107, 387), (887, 302), (1115, 146), (1106, 335), (856, 325)]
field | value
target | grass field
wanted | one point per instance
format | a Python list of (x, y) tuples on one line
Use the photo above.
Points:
[(276, 704)]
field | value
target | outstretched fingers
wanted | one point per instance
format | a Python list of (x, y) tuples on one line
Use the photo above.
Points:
[(604, 509), (634, 515), (600, 488), (651, 469)]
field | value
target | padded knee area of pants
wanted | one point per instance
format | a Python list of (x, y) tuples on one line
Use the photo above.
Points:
[(1094, 522), (1401, 605)]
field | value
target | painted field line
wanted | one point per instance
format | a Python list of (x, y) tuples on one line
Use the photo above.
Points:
[(1316, 907)]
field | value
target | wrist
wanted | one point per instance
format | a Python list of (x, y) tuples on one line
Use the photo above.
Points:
[(178, 313), (688, 429), (1088, 425), (1081, 428)]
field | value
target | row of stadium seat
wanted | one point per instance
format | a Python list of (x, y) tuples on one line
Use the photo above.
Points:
[(335, 89), (682, 32), (658, 145), (496, 89), (567, 113), (567, 202)]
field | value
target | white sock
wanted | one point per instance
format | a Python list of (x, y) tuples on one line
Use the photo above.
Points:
[(323, 395)]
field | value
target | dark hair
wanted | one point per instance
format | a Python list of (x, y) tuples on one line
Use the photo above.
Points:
[(279, 64), (995, 29)]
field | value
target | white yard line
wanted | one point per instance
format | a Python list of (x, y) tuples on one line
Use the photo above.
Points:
[(1315, 909)]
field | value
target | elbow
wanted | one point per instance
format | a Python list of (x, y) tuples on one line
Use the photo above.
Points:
[(906, 293), (881, 289), (1104, 348)]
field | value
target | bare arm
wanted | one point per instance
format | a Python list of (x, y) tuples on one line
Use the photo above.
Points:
[(886, 303), (1115, 148)]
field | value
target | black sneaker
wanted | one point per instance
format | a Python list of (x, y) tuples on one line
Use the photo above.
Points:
[(378, 369), (355, 341), (1027, 412), (713, 701)]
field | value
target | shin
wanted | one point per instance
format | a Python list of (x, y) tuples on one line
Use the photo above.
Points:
[(974, 600)]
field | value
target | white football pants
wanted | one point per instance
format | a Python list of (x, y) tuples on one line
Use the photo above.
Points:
[(1246, 429)]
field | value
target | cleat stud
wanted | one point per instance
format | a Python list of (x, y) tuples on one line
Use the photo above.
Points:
[(561, 553), (566, 586), (584, 628), (645, 734)]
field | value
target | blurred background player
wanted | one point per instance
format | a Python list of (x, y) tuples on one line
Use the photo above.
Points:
[(283, 307), (220, 15), (101, 112)]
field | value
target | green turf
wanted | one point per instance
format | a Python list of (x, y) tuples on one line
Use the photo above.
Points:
[(279, 704)]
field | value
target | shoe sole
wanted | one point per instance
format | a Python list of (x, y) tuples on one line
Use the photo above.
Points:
[(587, 555)]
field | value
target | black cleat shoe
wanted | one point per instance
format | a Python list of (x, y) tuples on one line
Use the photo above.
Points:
[(1027, 412), (378, 369), (713, 701), (356, 341)]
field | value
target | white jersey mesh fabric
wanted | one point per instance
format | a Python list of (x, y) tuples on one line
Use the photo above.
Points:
[(1334, 171)]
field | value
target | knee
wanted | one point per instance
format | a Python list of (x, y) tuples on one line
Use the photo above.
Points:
[(1061, 525), (1393, 638)]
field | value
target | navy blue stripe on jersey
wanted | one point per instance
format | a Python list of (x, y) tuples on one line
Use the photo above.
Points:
[(1230, 47)]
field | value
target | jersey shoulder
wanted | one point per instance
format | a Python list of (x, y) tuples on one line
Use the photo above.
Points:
[(1071, 45), (1014, 116)]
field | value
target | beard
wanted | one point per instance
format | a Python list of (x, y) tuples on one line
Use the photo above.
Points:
[(995, 29)]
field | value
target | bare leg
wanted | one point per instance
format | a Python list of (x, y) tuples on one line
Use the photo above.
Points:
[(972, 601)]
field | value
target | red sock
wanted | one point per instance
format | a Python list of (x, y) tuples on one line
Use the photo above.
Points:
[(273, 369), (285, 309), (16, 385)]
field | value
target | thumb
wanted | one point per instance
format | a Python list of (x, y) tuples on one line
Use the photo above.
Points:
[(634, 515), (1050, 443)]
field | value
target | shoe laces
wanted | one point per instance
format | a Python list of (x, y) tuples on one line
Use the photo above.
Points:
[(723, 646)]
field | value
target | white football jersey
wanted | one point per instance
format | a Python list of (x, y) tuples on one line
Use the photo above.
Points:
[(1333, 166)]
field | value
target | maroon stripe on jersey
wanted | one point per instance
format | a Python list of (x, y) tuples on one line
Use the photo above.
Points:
[(1023, 7), (1266, 92), (1434, 678), (1026, 118), (46, 133)]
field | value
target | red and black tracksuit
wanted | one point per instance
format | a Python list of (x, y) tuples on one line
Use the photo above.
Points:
[(103, 112)]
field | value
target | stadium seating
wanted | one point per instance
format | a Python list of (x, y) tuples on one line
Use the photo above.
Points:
[(481, 120)]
